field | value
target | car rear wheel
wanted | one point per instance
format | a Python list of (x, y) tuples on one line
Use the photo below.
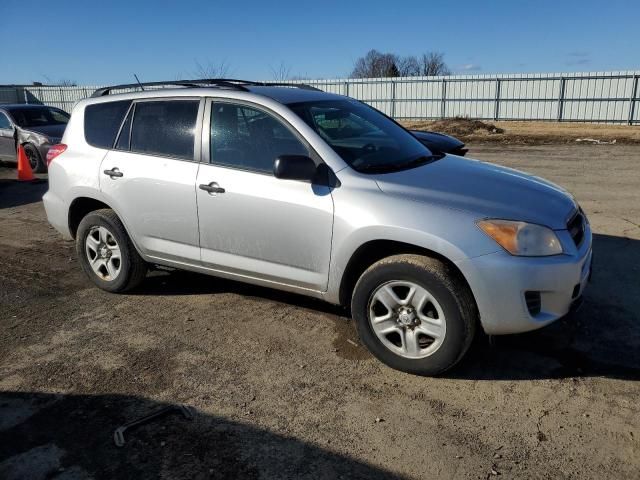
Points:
[(106, 253), (35, 160), (414, 314)]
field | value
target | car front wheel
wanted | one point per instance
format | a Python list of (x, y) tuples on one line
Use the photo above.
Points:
[(414, 314)]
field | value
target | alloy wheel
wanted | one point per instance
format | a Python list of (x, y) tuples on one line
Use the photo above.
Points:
[(103, 253), (407, 319)]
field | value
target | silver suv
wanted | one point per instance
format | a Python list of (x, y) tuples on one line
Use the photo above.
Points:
[(319, 194)]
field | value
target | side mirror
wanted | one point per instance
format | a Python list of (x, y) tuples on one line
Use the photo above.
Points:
[(295, 167)]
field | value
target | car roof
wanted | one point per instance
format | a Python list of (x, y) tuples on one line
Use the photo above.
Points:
[(288, 95), (280, 94)]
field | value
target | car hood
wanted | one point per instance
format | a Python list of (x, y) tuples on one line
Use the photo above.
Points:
[(488, 190), (51, 131)]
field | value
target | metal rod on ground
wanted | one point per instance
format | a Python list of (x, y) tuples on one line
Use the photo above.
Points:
[(118, 434)]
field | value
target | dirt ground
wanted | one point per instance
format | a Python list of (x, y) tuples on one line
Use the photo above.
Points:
[(531, 133), (281, 387)]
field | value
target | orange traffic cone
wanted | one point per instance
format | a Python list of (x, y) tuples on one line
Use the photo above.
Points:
[(24, 169)]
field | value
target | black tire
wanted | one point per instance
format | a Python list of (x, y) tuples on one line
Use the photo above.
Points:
[(35, 160), (132, 268), (444, 284)]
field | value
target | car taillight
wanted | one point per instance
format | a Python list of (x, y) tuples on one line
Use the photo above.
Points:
[(54, 151)]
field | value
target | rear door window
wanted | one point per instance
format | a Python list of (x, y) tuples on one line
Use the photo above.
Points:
[(165, 128), (102, 122)]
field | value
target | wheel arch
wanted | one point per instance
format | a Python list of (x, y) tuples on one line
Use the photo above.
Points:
[(25, 142), (25, 138), (83, 205), (79, 208), (374, 250)]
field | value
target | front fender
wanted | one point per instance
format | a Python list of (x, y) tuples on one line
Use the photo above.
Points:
[(447, 232)]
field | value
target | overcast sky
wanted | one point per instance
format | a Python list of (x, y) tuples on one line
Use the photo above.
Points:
[(109, 41)]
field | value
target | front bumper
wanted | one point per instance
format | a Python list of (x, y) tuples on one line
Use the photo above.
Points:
[(499, 282)]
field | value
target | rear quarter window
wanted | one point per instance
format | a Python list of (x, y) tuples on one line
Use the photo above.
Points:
[(102, 122)]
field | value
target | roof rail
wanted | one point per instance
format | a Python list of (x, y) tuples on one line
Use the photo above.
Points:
[(179, 83), (303, 86), (236, 82), (213, 82)]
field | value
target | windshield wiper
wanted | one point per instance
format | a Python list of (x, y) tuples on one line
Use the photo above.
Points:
[(396, 167)]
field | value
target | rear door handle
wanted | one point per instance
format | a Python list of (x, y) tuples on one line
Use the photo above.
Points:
[(212, 188), (114, 172)]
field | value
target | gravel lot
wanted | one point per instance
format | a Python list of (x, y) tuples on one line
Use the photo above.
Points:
[(280, 384)]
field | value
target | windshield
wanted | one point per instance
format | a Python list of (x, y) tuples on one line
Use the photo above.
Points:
[(38, 116), (364, 138)]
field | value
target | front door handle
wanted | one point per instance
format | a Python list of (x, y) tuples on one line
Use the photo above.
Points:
[(212, 188), (114, 172)]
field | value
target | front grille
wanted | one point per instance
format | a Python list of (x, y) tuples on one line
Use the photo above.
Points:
[(576, 227), (534, 303)]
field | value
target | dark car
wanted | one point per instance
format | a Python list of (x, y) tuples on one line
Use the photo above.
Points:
[(35, 127), (441, 143)]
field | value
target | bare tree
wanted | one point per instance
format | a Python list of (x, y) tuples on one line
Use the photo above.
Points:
[(281, 73), (432, 64), (377, 64), (64, 82), (211, 70), (409, 66)]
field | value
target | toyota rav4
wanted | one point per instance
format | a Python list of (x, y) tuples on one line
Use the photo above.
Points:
[(293, 188)]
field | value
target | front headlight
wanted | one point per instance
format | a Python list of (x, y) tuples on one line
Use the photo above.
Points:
[(522, 238)]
